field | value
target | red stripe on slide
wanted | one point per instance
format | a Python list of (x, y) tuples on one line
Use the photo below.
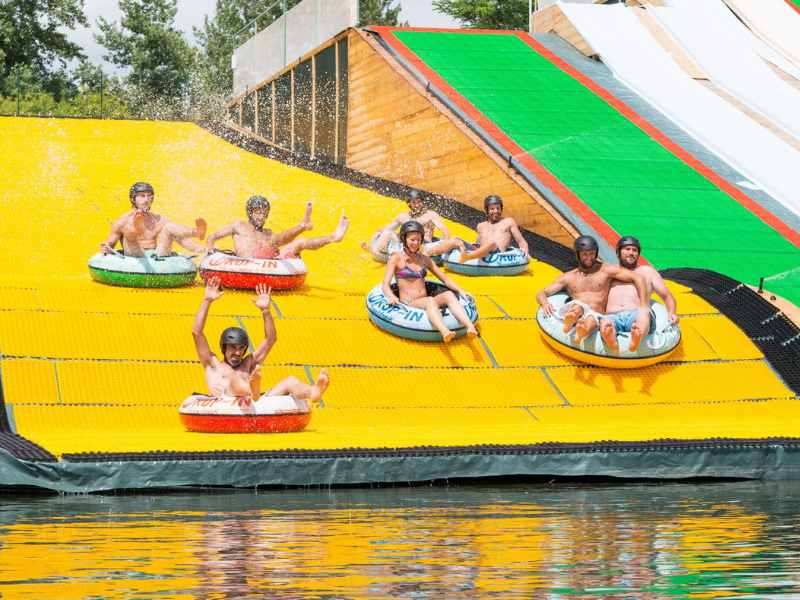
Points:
[(565, 194)]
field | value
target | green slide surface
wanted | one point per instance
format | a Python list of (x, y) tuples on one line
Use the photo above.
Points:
[(628, 179)]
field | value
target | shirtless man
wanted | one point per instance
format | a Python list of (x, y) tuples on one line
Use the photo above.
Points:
[(417, 211), (239, 374), (622, 308), (495, 233), (589, 286), (251, 240), (140, 230)]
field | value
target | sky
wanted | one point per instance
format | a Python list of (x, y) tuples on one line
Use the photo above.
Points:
[(418, 13)]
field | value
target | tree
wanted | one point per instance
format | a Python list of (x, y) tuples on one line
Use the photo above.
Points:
[(486, 14), (378, 12), (146, 41), (33, 40)]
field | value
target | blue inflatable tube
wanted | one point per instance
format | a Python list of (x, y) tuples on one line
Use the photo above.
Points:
[(413, 323), (654, 348), (511, 262)]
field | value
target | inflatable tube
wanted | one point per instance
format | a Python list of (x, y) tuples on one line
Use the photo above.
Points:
[(146, 271), (511, 262), (246, 273), (654, 348), (413, 323), (395, 246), (269, 414)]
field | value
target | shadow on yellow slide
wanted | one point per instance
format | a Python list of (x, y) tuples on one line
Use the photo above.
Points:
[(91, 368)]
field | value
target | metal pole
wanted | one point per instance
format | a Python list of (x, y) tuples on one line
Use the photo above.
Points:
[(530, 17), (283, 4), (101, 93)]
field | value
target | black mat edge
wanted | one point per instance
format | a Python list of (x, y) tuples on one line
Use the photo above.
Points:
[(433, 451)]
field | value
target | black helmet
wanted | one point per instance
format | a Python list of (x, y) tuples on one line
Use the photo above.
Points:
[(410, 227), (138, 188), (585, 242), (233, 335), (256, 202), (493, 199), (628, 240)]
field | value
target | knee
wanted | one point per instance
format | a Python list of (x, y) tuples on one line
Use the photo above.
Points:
[(449, 297)]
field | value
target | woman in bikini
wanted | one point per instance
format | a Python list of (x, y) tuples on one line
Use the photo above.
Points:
[(410, 267)]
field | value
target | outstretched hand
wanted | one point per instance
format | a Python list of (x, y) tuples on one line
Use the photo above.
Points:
[(213, 289), (262, 299)]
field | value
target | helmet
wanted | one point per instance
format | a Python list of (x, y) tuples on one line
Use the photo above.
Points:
[(233, 335), (585, 242), (410, 227), (255, 203), (628, 240), (493, 199), (413, 195), (138, 188)]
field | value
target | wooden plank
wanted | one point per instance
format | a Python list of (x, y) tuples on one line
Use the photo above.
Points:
[(396, 132)]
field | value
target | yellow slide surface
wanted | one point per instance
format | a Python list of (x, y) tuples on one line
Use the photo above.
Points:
[(91, 368)]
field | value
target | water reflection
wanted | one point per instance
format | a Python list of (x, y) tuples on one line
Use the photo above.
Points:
[(645, 541)]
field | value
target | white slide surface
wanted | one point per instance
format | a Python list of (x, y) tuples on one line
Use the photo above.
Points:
[(637, 60), (724, 48), (775, 21)]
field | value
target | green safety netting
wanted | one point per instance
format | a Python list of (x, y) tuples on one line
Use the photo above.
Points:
[(623, 174)]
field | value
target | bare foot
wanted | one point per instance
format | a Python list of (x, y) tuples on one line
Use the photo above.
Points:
[(200, 228), (465, 256), (581, 331), (569, 320), (319, 387), (307, 217), (636, 338), (472, 333), (139, 220), (448, 337), (255, 383), (341, 229), (365, 246), (609, 335)]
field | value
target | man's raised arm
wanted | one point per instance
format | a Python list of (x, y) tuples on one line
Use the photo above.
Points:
[(212, 292), (284, 237), (628, 276), (262, 302)]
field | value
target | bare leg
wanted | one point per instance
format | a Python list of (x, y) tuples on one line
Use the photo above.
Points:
[(449, 299), (130, 241), (609, 334), (584, 329), (307, 217), (444, 246), (377, 247), (255, 383), (574, 313), (299, 390), (316, 243), (172, 232), (434, 316), (479, 252), (640, 329)]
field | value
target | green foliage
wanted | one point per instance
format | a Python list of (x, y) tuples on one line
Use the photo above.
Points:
[(83, 105), (160, 60), (33, 43), (230, 26), (378, 12), (486, 14)]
